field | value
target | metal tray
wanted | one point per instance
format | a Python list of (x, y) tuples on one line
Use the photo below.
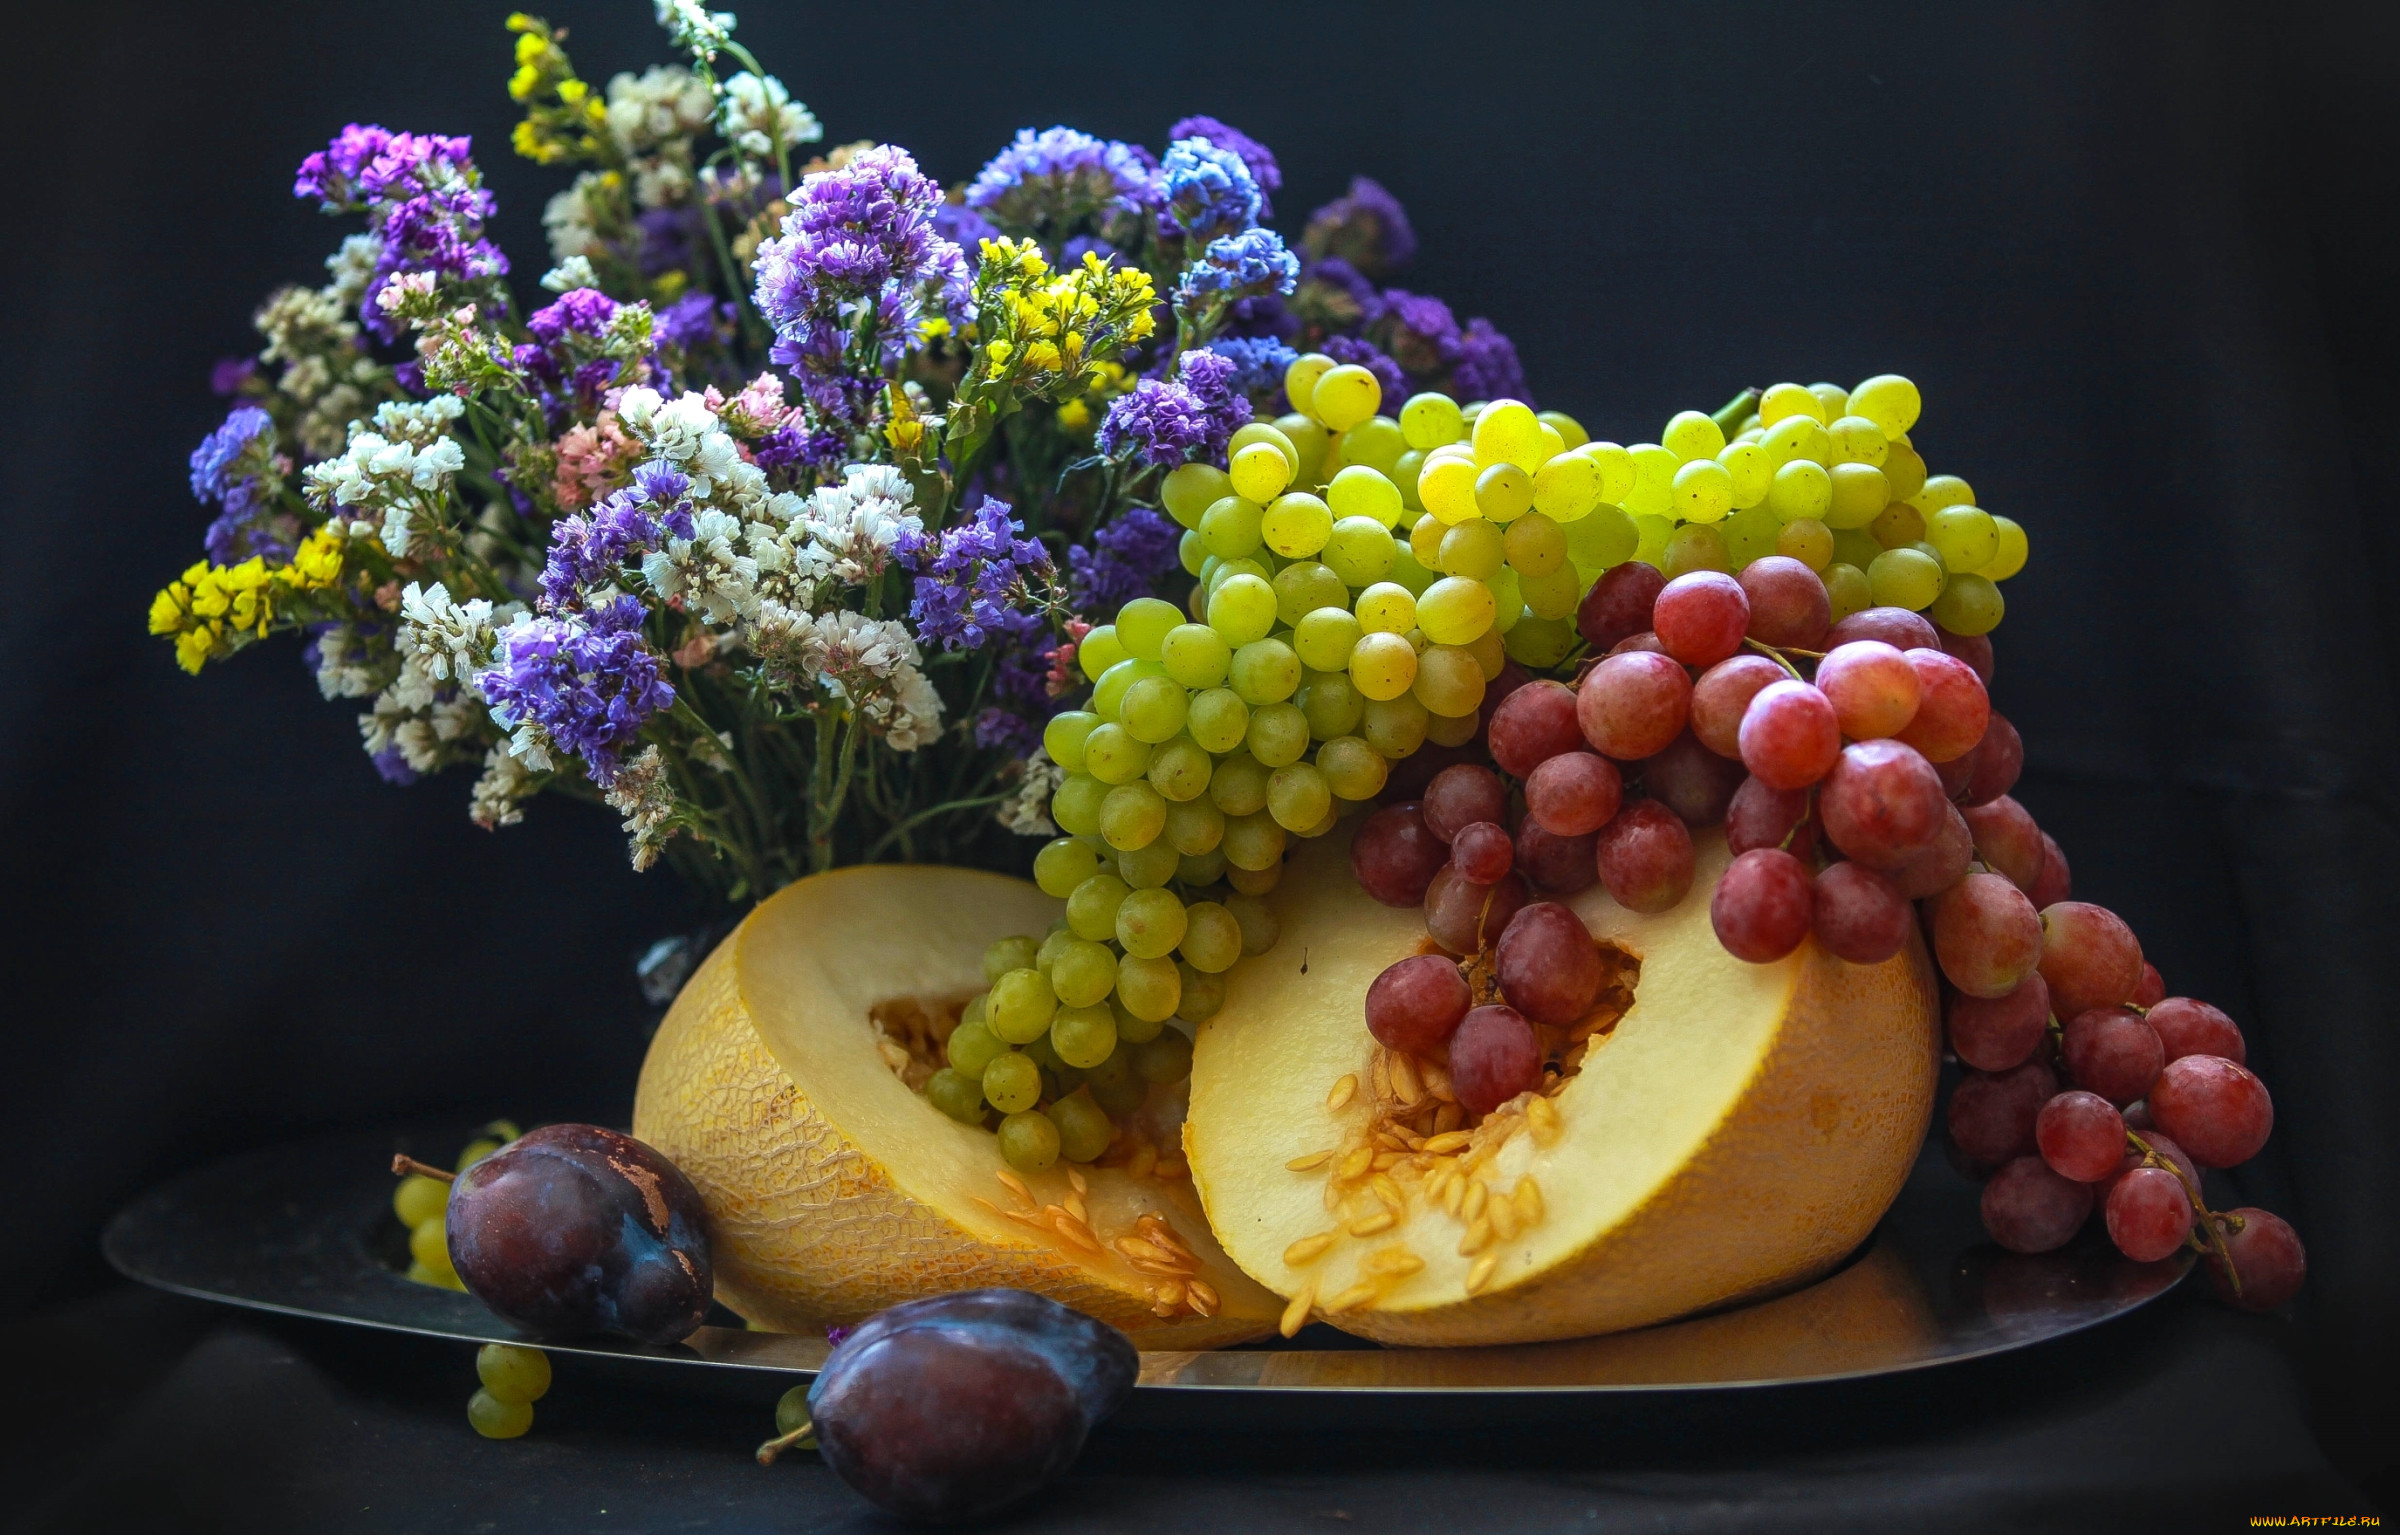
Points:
[(307, 1230)]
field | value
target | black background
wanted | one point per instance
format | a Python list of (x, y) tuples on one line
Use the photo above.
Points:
[(2138, 258)]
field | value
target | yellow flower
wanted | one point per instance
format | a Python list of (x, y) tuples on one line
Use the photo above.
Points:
[(211, 605), (1076, 414)]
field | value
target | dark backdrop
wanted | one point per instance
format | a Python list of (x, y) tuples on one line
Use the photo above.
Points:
[(2137, 256)]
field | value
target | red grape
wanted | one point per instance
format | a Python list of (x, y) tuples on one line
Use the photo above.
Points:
[(1974, 649), (1788, 604), (1644, 856), (2112, 1052), (1700, 618), (2137, 1117), (2057, 881), (2165, 1148), (1548, 967), (1952, 707), (1858, 914), (1762, 906), (2267, 1256), (1957, 773), (1999, 758), (2089, 957), (2186, 1026), (1991, 1116), (1943, 863), (1532, 725), (2081, 1136), (1462, 795), (2149, 1214), (1790, 736), (1896, 627), (2007, 839), (1873, 688), (1504, 687), (2027, 1208), (1645, 642), (1692, 781), (1722, 694), (1483, 853), (1881, 803), (1415, 1003), (1764, 817), (2153, 991), (1414, 773), (1631, 705), (1394, 856), (1574, 792), (2217, 1111), (1986, 935), (1494, 1056), (1995, 1033), (1560, 865), (1463, 916), (1619, 604)]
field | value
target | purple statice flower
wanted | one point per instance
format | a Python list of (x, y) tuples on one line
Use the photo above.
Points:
[(970, 577), (231, 468), (391, 764), (1420, 332), (1259, 362), (421, 193), (963, 227), (586, 680), (591, 549), (1056, 181), (1487, 366), (1020, 683), (1205, 192), (1365, 227), (1370, 357), (691, 321), (1264, 315), (859, 241), (665, 239), (1334, 295), (585, 312), (1255, 157), (797, 446), (230, 374), (1240, 266), (1167, 422), (578, 320), (1124, 560), (1071, 254)]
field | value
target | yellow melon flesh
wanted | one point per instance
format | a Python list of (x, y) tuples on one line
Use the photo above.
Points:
[(1741, 1130), (833, 1190)]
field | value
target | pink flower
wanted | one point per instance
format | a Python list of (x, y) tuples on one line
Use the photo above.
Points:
[(592, 461)]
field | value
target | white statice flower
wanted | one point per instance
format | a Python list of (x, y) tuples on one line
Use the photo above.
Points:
[(708, 570), (399, 472), (448, 639), (346, 668), (1027, 811), (352, 267), (571, 221), (661, 182), (695, 28), (424, 729), (505, 783), (663, 103), (642, 795), (867, 663), (570, 274), (853, 527), (672, 429), (758, 116)]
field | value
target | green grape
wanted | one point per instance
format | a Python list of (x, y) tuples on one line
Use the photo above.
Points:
[(2011, 558), (1800, 489), (1259, 473), (1969, 604), (973, 1011), (1360, 552), (1405, 470), (1602, 541), (1451, 730), (1695, 546), (1472, 549), (1750, 534), (1508, 605), (1555, 595), (1942, 490), (1083, 1128), (1022, 1001), (1142, 626), (1203, 994), (1324, 639), (1084, 972), (1194, 655), (1449, 683), (1967, 536), (1855, 546), (1490, 654), (1164, 1060), (1179, 770), (1260, 929), (1296, 524), (1254, 881), (429, 1244), (1749, 471), (1395, 727), (1375, 443), (1650, 539), (1361, 490), (1653, 492), (1227, 569), (1278, 734), (1253, 841), (1446, 488), (1239, 786), (1192, 553), (1304, 586), (1856, 440), (1053, 943), (1132, 1029), (1568, 487), (1352, 769), (1383, 665), (1057, 1077), (1133, 815), (1082, 1037), (1092, 909), (1691, 436), (1455, 610), (1797, 439), (1108, 694), (1782, 401), (1242, 609), (1430, 419), (1618, 472), (1330, 704), (1191, 489), (1386, 608), (1149, 988), (417, 1199), (1506, 431), (496, 1419), (1150, 866), (1112, 1084), (1905, 578), (1063, 737), (1114, 755), (1503, 492), (1005, 954), (1570, 430), (1197, 870), (1028, 1140), (1888, 400), (1536, 644), (956, 1094), (1212, 939), (974, 1046), (1703, 491), (1860, 493), (1301, 375), (1834, 398), (1904, 470), (1264, 672), (1098, 651), (1345, 396), (1808, 541), (1012, 1080), (1075, 804), (475, 1151), (1308, 439), (1218, 719), (1534, 545), (1898, 525), (1150, 923), (1230, 528), (1425, 540), (1154, 708)]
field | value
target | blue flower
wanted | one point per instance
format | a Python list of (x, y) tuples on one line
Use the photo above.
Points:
[(1124, 560), (1168, 422), (1058, 181), (1259, 362), (232, 468), (1255, 157), (971, 578), (1205, 191), (1240, 266)]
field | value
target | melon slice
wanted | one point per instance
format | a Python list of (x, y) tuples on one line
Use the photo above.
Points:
[(834, 1190), (1735, 1134)]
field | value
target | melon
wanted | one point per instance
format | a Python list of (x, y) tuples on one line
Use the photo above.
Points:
[(778, 1083), (1724, 1131)]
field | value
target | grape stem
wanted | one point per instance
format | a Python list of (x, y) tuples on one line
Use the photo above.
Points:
[(403, 1165), (1775, 655), (1729, 415), (2206, 1220), (804, 1437)]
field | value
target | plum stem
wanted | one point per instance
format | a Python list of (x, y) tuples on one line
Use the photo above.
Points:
[(805, 1436), (403, 1165)]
